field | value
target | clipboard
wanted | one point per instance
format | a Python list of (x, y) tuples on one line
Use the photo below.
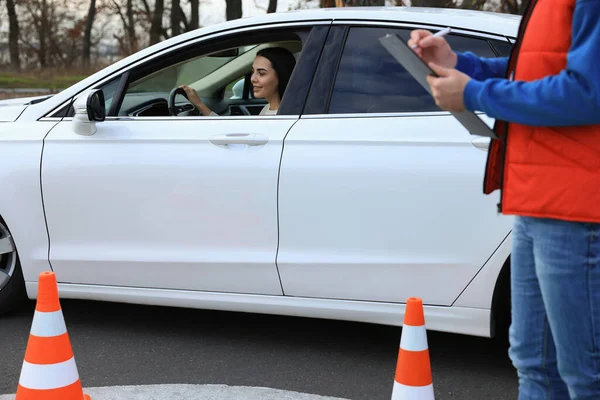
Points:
[(420, 70)]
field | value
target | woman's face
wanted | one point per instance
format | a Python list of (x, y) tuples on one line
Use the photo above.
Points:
[(264, 79)]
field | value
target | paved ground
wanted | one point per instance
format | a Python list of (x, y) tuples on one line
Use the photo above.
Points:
[(140, 345), (192, 392)]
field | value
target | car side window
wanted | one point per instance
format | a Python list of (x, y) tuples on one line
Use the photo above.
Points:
[(370, 80), (215, 70), (208, 74), (502, 47), (108, 89)]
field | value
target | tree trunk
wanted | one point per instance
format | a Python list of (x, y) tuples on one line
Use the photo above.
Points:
[(195, 14), (233, 9), (87, 37), (364, 3), (523, 7), (131, 37), (43, 32), (473, 4), (272, 6), (433, 3), (13, 35), (156, 28), (175, 18)]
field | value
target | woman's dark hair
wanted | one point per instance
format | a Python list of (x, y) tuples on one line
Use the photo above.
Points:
[(283, 63)]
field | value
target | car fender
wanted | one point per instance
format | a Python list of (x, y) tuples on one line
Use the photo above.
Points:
[(21, 204), (480, 291)]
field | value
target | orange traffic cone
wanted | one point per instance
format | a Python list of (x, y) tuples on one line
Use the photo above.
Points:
[(413, 379), (49, 371)]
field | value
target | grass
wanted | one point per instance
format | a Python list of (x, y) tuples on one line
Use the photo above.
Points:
[(18, 82), (55, 79)]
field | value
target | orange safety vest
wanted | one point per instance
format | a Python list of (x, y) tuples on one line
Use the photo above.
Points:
[(548, 172)]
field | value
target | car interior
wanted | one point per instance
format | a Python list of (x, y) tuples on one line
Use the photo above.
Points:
[(221, 79)]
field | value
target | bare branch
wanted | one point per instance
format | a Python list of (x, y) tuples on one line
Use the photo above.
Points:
[(183, 18), (259, 7), (147, 7), (118, 9)]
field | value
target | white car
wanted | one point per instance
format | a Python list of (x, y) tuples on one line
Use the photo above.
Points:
[(359, 194)]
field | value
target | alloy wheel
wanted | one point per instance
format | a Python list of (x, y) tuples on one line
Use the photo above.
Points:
[(8, 256)]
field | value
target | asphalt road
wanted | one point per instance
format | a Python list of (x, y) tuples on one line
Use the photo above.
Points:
[(117, 344)]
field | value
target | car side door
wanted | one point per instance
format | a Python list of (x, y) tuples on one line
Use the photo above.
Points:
[(174, 202), (380, 190)]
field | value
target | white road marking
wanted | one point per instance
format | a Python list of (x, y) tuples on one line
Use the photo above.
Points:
[(192, 392)]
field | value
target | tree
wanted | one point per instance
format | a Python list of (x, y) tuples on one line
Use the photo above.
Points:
[(272, 6), (87, 38), (42, 26), (473, 4), (128, 40), (233, 9), (364, 3), (523, 7), (436, 3), (131, 27), (156, 28), (194, 15), (176, 18), (13, 35), (35, 29)]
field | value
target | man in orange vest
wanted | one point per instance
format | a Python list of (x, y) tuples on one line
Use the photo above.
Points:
[(546, 163)]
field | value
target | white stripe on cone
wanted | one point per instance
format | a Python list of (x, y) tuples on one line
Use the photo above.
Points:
[(414, 338), (403, 392), (48, 376), (48, 324)]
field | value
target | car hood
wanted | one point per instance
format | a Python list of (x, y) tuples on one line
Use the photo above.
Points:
[(11, 109)]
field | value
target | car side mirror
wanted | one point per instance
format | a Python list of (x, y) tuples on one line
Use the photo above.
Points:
[(89, 109)]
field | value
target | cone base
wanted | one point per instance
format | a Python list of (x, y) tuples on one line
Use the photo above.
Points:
[(403, 392), (71, 392)]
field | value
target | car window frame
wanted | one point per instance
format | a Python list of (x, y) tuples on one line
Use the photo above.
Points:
[(223, 42), (316, 92), (214, 38)]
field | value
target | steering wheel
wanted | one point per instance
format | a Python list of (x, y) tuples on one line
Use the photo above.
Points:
[(174, 110)]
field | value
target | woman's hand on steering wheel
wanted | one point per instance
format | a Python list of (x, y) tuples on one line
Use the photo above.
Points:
[(192, 96)]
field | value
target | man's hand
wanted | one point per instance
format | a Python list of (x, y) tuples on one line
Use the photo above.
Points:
[(433, 49), (448, 89)]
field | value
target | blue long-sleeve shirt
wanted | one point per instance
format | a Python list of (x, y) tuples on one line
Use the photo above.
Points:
[(570, 98)]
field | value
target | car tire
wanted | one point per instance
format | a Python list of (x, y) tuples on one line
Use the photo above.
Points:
[(12, 284)]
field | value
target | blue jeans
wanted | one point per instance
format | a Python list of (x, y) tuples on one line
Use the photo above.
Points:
[(555, 330)]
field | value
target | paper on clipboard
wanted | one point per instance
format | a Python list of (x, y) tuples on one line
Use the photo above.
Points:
[(420, 70)]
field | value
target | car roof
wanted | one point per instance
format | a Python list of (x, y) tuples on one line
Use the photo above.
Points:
[(481, 21)]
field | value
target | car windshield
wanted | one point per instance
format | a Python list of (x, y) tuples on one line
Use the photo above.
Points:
[(185, 73)]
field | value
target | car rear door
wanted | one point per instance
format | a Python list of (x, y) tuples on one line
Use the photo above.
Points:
[(380, 191)]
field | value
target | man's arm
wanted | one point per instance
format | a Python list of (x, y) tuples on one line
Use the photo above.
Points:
[(481, 68), (568, 99)]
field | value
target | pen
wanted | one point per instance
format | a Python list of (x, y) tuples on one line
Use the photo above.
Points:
[(443, 32)]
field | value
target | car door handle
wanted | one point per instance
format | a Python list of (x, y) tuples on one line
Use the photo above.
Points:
[(249, 139), (481, 143)]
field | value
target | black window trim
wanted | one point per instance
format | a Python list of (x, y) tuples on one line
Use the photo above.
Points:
[(327, 68)]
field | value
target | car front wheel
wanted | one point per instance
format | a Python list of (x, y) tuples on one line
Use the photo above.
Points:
[(12, 285)]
